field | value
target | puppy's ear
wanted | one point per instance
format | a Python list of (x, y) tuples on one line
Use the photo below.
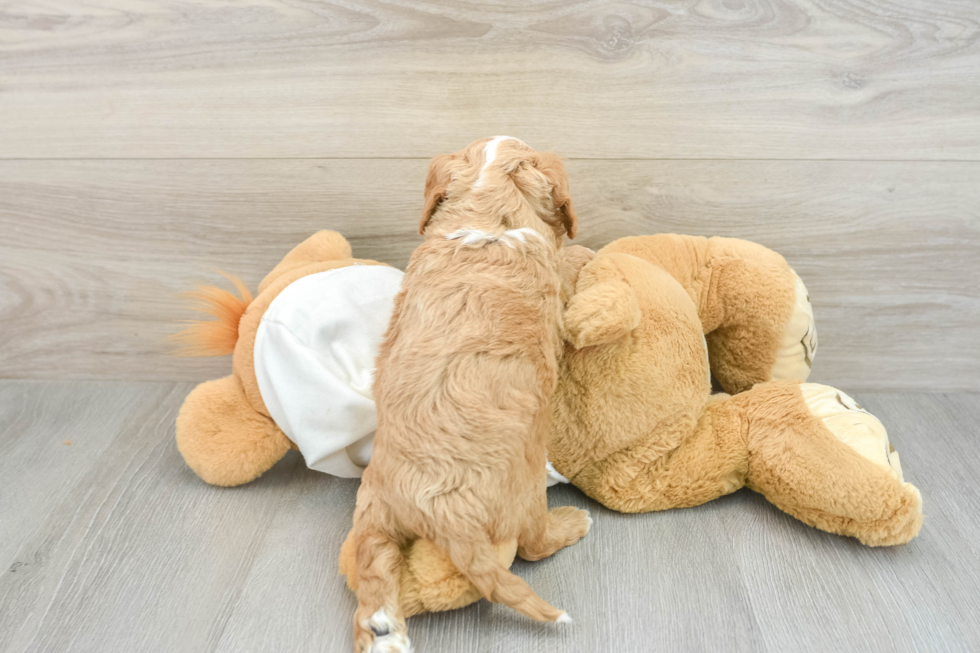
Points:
[(436, 182), (551, 166)]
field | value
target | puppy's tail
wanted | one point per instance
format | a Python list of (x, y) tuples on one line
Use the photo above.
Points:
[(213, 337), (477, 560)]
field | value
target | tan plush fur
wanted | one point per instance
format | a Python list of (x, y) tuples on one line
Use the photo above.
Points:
[(743, 294), (463, 388), (223, 438), (837, 490)]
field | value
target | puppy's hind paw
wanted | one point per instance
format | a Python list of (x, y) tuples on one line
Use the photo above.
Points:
[(571, 522), (387, 639), (393, 643)]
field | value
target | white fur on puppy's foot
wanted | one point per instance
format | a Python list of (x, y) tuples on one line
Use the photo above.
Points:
[(394, 643), (563, 618), (386, 640), (588, 518)]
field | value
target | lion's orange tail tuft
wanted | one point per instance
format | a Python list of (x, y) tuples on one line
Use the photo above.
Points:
[(214, 337)]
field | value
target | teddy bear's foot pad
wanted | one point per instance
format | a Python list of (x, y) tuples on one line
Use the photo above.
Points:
[(852, 425), (798, 345)]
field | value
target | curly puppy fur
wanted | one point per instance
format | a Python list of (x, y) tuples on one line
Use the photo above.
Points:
[(463, 386)]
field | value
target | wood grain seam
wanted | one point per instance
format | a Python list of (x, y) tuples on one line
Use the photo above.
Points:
[(425, 158)]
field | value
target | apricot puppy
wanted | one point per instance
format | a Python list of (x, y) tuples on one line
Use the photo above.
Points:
[(463, 385)]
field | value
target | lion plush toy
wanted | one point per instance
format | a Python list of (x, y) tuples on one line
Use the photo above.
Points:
[(302, 366), (649, 321)]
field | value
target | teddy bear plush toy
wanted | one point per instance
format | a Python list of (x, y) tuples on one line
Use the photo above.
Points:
[(649, 322)]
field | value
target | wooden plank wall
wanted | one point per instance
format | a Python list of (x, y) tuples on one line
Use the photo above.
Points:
[(143, 144)]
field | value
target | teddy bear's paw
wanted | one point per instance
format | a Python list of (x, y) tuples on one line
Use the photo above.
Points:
[(386, 637), (852, 425), (601, 314), (798, 344)]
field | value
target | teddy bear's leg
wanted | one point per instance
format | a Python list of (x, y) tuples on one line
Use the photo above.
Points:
[(754, 309), (321, 246), (223, 439), (757, 316), (429, 582), (817, 455), (711, 461), (767, 332)]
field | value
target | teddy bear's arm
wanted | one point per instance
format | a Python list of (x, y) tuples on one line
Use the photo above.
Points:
[(573, 259), (601, 314)]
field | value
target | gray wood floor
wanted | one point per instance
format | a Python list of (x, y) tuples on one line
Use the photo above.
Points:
[(111, 544)]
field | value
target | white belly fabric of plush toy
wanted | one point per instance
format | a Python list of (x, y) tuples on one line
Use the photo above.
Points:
[(314, 362)]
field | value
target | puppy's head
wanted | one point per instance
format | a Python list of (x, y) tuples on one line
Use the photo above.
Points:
[(503, 179)]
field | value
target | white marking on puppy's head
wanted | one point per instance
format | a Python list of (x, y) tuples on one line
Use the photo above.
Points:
[(490, 153)]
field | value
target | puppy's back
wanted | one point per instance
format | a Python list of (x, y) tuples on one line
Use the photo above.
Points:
[(471, 350)]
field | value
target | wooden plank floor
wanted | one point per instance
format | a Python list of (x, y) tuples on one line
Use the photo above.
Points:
[(111, 544)]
